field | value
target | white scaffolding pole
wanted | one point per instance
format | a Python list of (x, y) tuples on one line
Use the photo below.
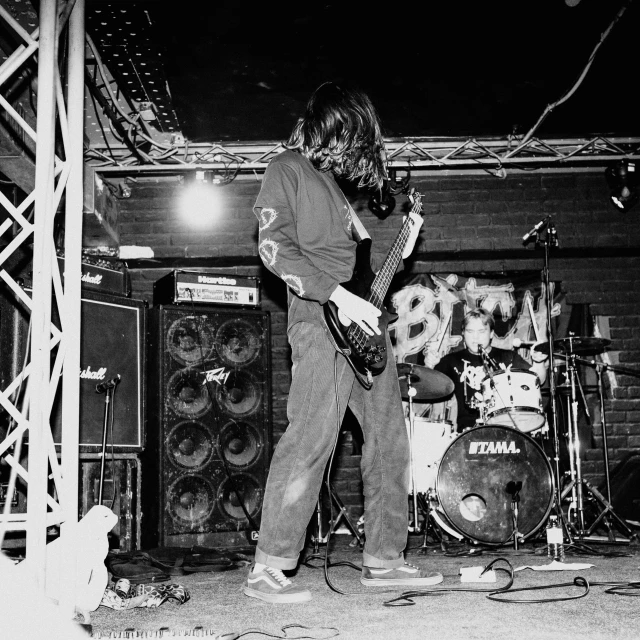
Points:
[(40, 404), (52, 489)]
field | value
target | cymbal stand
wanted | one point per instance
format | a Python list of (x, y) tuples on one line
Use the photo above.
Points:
[(576, 483), (607, 515)]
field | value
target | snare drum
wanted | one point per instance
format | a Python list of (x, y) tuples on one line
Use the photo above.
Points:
[(513, 398), (430, 440), (475, 479)]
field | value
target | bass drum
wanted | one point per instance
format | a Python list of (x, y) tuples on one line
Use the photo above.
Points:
[(476, 479)]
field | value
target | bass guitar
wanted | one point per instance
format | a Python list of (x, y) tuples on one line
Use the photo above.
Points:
[(367, 354)]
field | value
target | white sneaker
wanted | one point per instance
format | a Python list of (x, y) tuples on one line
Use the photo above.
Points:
[(271, 585)]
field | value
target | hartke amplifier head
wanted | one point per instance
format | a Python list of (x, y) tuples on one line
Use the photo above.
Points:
[(226, 289)]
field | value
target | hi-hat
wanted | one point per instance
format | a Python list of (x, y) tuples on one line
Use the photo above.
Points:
[(428, 383), (575, 344)]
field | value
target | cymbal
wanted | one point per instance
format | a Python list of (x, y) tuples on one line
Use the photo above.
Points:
[(428, 383), (575, 344)]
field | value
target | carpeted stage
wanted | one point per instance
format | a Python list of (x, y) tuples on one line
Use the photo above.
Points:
[(217, 603)]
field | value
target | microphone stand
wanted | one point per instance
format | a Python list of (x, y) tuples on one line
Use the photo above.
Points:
[(108, 388), (550, 239)]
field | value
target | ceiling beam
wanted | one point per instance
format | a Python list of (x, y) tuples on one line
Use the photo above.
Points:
[(428, 155)]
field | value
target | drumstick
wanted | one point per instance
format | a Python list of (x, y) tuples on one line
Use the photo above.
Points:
[(444, 332), (533, 319)]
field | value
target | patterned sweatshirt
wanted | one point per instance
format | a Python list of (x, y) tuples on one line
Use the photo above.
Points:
[(305, 233)]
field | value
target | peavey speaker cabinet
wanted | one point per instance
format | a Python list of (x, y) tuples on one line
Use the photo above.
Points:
[(209, 437)]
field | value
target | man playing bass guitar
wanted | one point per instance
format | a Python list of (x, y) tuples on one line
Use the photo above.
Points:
[(306, 238)]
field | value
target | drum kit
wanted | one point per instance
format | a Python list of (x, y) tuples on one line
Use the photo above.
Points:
[(494, 484)]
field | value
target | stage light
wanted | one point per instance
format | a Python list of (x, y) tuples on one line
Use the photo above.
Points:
[(623, 180), (200, 202), (382, 203)]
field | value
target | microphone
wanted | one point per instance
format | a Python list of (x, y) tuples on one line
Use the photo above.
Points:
[(539, 227), (108, 384), (513, 487), (487, 359)]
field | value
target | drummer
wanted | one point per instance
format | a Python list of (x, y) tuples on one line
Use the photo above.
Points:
[(468, 367)]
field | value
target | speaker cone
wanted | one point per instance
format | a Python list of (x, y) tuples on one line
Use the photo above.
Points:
[(190, 340), (191, 500), (240, 395), (190, 445), (244, 489), (238, 342), (239, 443), (187, 395)]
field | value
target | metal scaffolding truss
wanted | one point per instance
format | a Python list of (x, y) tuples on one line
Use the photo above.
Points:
[(28, 447), (494, 155)]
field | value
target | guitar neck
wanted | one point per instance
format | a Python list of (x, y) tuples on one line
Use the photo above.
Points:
[(382, 281)]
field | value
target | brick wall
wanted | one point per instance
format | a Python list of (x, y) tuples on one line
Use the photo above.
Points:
[(473, 223)]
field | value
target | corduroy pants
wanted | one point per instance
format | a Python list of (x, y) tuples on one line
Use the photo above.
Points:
[(299, 461)]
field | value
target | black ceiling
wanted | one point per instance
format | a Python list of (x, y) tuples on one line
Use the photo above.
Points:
[(243, 71)]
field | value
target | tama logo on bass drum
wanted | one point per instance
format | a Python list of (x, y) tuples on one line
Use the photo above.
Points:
[(479, 448)]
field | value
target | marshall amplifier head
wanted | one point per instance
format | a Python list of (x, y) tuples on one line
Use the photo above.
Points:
[(181, 286)]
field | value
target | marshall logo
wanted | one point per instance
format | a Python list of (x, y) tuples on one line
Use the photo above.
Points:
[(86, 277), (93, 375), (479, 448), (216, 375), (218, 280)]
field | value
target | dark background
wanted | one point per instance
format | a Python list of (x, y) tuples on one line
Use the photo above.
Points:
[(243, 71)]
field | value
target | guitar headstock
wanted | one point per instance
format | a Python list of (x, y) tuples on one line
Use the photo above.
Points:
[(415, 198)]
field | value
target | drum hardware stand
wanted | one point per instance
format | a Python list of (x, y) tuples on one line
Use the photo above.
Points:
[(514, 489), (607, 514), (333, 524), (576, 483), (411, 392), (434, 523)]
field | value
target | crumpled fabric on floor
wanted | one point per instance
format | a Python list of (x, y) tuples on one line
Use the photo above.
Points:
[(145, 595)]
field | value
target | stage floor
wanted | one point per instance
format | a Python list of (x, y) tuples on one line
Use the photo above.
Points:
[(217, 603)]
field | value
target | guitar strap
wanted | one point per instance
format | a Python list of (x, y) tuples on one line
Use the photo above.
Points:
[(359, 232)]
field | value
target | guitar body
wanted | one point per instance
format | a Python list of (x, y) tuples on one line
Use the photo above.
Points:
[(366, 354)]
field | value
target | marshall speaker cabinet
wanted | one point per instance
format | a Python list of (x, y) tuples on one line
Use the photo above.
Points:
[(112, 343), (209, 439)]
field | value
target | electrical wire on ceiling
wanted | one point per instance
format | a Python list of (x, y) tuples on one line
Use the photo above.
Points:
[(134, 128), (550, 107)]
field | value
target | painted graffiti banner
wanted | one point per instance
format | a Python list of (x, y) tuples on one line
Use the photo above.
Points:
[(431, 306)]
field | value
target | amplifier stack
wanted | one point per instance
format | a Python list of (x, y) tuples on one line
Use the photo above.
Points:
[(209, 437)]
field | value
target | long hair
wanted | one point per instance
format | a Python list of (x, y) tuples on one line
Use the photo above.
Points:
[(340, 132)]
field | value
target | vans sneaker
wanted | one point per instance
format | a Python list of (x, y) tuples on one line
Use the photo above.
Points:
[(271, 585), (405, 576)]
